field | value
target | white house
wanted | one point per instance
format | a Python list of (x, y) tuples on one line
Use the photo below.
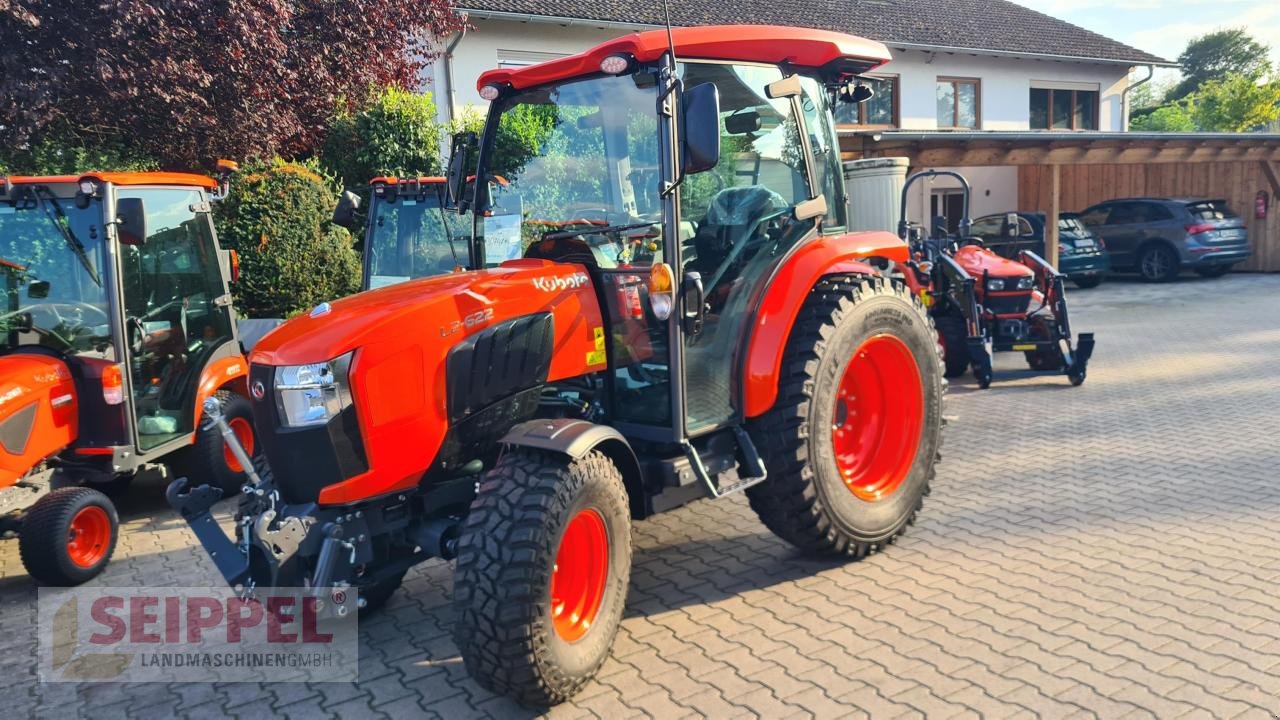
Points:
[(958, 64)]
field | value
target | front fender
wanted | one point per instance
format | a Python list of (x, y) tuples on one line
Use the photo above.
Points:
[(218, 374), (786, 294)]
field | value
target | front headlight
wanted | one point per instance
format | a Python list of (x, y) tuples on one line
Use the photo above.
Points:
[(1026, 282), (995, 284), (311, 394)]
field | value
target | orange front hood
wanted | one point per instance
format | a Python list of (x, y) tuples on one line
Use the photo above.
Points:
[(978, 261)]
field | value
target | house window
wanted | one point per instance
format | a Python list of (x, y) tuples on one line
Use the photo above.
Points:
[(1057, 109), (959, 101), (880, 111)]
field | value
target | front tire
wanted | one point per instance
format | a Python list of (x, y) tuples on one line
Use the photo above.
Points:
[(851, 442), (953, 332), (544, 561), (209, 460), (68, 536)]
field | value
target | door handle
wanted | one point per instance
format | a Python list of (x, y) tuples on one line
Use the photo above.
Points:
[(693, 300)]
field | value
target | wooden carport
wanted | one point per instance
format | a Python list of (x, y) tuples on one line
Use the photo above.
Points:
[(1060, 171)]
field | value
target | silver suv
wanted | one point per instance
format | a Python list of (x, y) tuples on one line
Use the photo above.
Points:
[(1158, 237)]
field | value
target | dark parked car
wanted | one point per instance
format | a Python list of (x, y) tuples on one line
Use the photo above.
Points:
[(1081, 256), (1157, 237)]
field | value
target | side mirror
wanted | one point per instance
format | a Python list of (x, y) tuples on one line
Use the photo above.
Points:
[(701, 105), (345, 213), (1011, 224), (456, 177), (131, 221), (38, 289)]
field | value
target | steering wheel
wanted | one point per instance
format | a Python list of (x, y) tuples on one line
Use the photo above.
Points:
[(57, 309)]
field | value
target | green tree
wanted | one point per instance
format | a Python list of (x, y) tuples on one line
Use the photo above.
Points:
[(291, 257), (1169, 118), (1216, 56), (397, 134), (1237, 103)]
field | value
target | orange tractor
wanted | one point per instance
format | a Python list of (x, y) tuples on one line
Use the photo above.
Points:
[(688, 318), (117, 326)]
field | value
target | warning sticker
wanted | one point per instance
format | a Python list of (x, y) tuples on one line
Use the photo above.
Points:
[(599, 333), (595, 357)]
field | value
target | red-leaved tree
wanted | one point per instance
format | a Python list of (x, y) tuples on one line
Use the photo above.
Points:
[(185, 81)]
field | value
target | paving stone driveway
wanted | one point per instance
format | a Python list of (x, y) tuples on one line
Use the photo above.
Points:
[(1111, 550)]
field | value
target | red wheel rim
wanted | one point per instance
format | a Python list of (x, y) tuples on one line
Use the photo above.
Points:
[(244, 433), (579, 575), (878, 418), (89, 536)]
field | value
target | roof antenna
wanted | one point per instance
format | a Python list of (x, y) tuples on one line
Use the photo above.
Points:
[(671, 44)]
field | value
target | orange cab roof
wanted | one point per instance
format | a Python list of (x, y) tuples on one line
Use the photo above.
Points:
[(773, 44), (122, 178), (424, 180)]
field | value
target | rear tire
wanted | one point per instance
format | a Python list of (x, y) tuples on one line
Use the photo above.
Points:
[(806, 499), (1086, 283), (1157, 263), (68, 536), (1213, 271), (208, 460), (953, 331), (545, 547)]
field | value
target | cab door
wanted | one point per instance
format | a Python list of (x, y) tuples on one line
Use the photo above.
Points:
[(177, 311)]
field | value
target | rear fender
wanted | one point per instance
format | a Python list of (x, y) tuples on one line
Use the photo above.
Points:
[(227, 370), (782, 300), (39, 412), (576, 438)]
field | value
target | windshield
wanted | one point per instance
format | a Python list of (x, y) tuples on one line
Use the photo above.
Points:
[(576, 156), (410, 237), (52, 258)]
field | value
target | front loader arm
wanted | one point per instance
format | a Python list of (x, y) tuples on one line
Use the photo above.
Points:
[(1050, 282), (958, 286)]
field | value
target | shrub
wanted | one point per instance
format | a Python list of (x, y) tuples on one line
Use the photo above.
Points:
[(68, 154), (397, 134), (291, 257)]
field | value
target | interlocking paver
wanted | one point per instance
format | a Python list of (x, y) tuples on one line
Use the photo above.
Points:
[(1105, 551)]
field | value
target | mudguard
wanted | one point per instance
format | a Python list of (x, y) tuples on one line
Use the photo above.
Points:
[(786, 294), (576, 438), (38, 412)]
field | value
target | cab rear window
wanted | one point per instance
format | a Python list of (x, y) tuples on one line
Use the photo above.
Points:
[(1211, 210)]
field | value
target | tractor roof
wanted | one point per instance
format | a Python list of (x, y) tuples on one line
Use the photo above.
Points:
[(121, 178), (422, 180), (773, 44)]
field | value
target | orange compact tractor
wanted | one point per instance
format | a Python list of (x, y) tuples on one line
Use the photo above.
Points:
[(984, 303), (117, 325), (689, 318)]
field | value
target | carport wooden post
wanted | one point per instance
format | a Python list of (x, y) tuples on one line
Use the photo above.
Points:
[(1051, 217)]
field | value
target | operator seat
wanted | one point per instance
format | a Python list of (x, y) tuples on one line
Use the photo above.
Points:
[(732, 217)]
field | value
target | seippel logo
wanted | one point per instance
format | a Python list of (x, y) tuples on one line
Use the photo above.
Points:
[(73, 665), (551, 284)]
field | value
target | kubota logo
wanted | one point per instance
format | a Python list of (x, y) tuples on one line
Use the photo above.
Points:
[(552, 284)]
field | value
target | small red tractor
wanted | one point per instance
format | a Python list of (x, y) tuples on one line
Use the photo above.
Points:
[(983, 303), (689, 319), (117, 326)]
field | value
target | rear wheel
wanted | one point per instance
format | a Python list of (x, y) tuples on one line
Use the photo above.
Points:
[(1157, 263), (953, 333), (544, 561), (1213, 271), (209, 459), (851, 443), (1085, 283), (68, 536)]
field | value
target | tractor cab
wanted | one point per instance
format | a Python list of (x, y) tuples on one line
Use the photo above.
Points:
[(410, 234), (116, 325)]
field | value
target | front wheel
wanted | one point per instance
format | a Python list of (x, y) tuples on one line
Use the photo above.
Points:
[(851, 443), (209, 460), (953, 333), (544, 561), (68, 536)]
